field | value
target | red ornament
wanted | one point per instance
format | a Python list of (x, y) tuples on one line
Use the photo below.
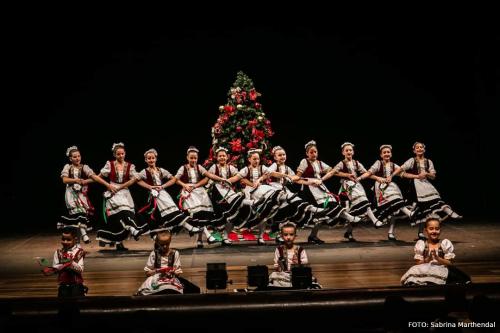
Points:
[(236, 145), (257, 105), (229, 108), (239, 128), (253, 94)]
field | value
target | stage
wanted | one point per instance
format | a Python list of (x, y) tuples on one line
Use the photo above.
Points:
[(371, 262), (361, 285)]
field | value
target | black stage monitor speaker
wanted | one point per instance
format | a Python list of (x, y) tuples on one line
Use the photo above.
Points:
[(216, 277), (301, 277), (258, 276)]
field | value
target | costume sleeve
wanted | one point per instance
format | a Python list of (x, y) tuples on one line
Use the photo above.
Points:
[(177, 262), (302, 166), (375, 167), (408, 164), (105, 171), (448, 249), (150, 264), (142, 175), (55, 260), (77, 266), (431, 167), (338, 167), (203, 171), (88, 171), (276, 258), (272, 168), (303, 257), (325, 167), (133, 172), (243, 172), (65, 171), (179, 173), (361, 167), (419, 250)]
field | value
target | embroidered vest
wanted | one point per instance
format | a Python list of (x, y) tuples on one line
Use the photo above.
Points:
[(185, 177), (381, 172), (309, 171), (68, 276), (113, 177)]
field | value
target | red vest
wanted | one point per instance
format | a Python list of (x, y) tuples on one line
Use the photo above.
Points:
[(112, 174)]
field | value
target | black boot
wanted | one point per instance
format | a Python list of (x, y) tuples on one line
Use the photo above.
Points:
[(314, 240), (348, 235), (120, 247)]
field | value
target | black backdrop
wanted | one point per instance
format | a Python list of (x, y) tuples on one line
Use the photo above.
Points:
[(94, 82)]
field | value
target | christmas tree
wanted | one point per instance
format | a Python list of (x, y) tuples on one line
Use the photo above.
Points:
[(241, 125)]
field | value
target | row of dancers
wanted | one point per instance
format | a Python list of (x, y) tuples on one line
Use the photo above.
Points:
[(209, 201)]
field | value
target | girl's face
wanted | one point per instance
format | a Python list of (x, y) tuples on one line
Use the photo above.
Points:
[(222, 157), (419, 149), (312, 153), (289, 235), (68, 240), (348, 152), (75, 158), (192, 158), (163, 243), (433, 230), (386, 154), (150, 159), (120, 154), (254, 160), (280, 156)]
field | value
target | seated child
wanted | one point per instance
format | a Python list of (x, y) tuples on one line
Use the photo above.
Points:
[(68, 265), (434, 260), (287, 255), (163, 269)]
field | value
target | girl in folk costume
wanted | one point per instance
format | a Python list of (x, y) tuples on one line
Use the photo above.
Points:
[(120, 212), (287, 255), (421, 170), (194, 197), (313, 172), (232, 205), (294, 208), (266, 199), (351, 170), (434, 260), (390, 202), (160, 202), (163, 269), (77, 176)]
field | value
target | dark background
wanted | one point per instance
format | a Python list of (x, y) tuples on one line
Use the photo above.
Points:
[(93, 82)]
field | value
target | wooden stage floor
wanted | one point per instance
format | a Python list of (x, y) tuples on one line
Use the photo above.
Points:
[(371, 262)]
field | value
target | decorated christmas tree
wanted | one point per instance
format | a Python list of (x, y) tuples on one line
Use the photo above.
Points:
[(242, 125)]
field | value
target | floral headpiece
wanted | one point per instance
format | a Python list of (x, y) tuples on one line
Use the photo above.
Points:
[(252, 151), (151, 151), (70, 149), (117, 145), (221, 149), (416, 143), (346, 144), (310, 143), (192, 149), (276, 148)]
